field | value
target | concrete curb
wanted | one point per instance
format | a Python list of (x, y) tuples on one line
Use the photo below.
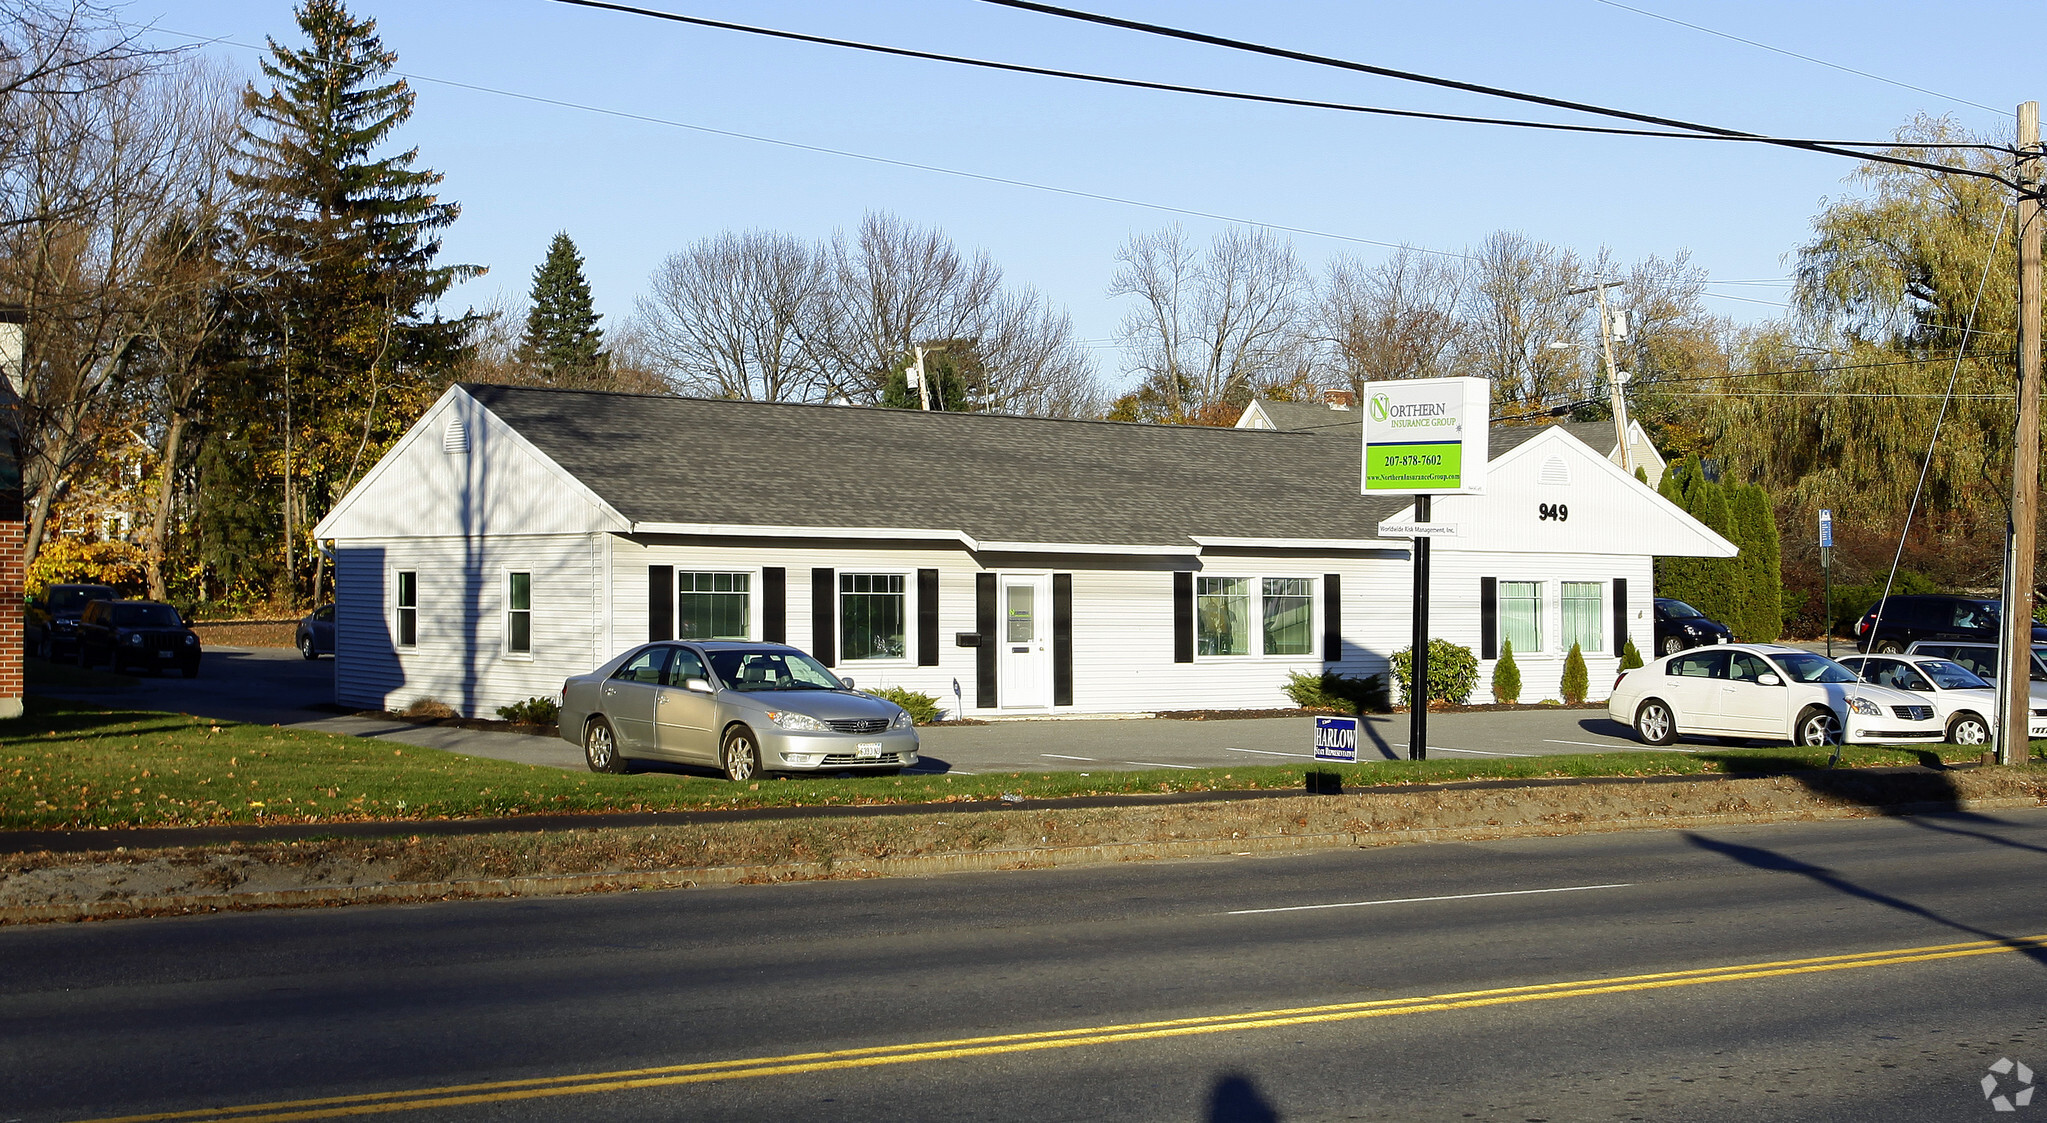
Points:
[(963, 862)]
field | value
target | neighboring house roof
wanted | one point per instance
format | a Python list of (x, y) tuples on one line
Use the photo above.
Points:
[(996, 478)]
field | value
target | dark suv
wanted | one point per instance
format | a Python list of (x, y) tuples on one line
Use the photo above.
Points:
[(1908, 619), (137, 633), (51, 627)]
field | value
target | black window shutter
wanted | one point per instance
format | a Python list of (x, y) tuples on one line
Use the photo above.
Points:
[(1062, 639), (824, 600), (1489, 617), (660, 602), (927, 618), (1332, 617), (984, 655), (775, 604), (1183, 617), (1620, 615)]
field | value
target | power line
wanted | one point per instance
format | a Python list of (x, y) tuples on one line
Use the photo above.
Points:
[(1801, 58), (1489, 91), (1199, 91)]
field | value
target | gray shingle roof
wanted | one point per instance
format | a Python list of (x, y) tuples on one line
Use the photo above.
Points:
[(996, 478), (1312, 417)]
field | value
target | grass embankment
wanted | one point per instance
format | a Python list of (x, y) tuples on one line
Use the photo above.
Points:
[(72, 765)]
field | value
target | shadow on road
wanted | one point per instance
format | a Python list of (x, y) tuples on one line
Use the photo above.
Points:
[(1236, 1099), (1756, 857), (1940, 826)]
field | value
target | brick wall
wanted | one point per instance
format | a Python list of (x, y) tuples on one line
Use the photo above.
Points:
[(13, 538)]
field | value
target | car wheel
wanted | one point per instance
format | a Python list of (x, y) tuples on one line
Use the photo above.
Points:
[(1968, 729), (1672, 645), (600, 748), (740, 756), (1890, 647), (307, 649), (1656, 724), (1817, 727)]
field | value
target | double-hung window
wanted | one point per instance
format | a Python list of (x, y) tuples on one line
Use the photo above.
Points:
[(407, 602), (713, 605), (519, 613), (1226, 607), (1582, 623), (872, 613), (1521, 615)]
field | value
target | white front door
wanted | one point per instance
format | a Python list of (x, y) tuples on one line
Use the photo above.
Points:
[(1026, 635)]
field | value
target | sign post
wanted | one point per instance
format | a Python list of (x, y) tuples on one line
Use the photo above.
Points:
[(1827, 571), (1424, 437)]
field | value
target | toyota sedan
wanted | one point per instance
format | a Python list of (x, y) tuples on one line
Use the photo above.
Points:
[(1768, 692), (743, 708)]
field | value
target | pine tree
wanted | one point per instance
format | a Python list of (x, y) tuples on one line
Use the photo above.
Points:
[(1715, 586), (1577, 681), (347, 241), (1631, 656), (563, 343), (1506, 675)]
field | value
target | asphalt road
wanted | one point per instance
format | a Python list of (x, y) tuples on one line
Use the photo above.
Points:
[(275, 686), (1867, 970)]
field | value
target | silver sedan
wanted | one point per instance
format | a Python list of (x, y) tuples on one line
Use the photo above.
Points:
[(741, 707)]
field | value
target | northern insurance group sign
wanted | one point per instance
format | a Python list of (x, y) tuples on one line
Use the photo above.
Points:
[(1426, 436)]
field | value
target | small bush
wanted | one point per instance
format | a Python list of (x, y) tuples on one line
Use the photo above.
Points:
[(923, 708), (428, 707), (1332, 691), (1577, 682), (1453, 672), (1506, 676), (73, 561), (1631, 656), (533, 711)]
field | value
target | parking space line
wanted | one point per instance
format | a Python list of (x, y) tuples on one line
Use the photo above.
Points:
[(1425, 900), (1061, 756), (1474, 752), (1267, 752), (1150, 764)]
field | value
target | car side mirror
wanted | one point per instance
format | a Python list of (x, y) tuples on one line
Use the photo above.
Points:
[(1769, 680), (846, 682), (697, 685)]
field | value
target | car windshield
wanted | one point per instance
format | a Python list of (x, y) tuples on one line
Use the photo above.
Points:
[(75, 600), (145, 616), (1804, 667), (1950, 676), (771, 670), (1677, 609)]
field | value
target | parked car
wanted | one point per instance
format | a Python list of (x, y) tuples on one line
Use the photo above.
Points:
[(741, 707), (50, 629), (1907, 619), (315, 635), (1766, 691), (1680, 626), (1981, 658), (137, 633), (1963, 701)]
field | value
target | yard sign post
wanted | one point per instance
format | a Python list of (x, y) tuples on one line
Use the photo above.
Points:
[(1827, 568), (1424, 437)]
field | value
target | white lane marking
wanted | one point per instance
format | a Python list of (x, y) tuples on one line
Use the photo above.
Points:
[(1061, 756), (1425, 900), (1268, 752), (1149, 764)]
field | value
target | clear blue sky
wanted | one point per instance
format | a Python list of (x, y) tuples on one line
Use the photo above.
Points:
[(632, 191)]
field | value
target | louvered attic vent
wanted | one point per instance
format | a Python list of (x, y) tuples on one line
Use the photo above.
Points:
[(456, 438), (1555, 471)]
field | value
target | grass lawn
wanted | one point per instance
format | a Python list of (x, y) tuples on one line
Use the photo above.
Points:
[(70, 765)]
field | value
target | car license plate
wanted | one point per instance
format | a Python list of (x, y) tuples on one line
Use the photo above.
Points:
[(163, 654), (868, 748)]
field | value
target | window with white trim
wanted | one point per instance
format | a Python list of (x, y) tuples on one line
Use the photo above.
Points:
[(519, 613), (406, 625), (1521, 615), (1583, 624), (873, 609), (713, 605), (1283, 609)]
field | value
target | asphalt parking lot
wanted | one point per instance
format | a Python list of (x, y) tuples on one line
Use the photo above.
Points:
[(273, 686)]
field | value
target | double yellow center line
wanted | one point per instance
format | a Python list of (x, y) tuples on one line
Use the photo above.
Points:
[(461, 1095)]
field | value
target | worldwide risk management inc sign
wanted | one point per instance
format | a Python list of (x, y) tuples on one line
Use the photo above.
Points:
[(1426, 436)]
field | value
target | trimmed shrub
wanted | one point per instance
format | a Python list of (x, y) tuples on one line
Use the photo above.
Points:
[(533, 711), (1453, 672), (1631, 656), (1577, 682), (428, 707), (923, 708), (1332, 691), (1506, 676)]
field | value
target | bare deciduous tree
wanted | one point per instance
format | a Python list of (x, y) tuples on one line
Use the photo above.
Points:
[(1519, 303), (732, 316), (894, 286), (1397, 319)]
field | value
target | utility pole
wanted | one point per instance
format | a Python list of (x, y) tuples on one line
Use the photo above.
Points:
[(923, 387), (2013, 741), (1614, 376)]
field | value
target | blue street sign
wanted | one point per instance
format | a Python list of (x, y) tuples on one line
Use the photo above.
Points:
[(1336, 738), (1826, 528)]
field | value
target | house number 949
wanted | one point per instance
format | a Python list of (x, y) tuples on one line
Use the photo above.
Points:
[(1560, 512)]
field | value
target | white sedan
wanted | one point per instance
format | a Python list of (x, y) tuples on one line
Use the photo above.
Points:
[(1962, 700), (1766, 691)]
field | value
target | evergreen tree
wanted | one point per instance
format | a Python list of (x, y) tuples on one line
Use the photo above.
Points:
[(562, 342), (348, 241), (1577, 681), (1715, 586), (1506, 675), (1763, 579), (1631, 656)]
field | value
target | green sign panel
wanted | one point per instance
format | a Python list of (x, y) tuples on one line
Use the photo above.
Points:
[(1426, 436), (1415, 467)]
